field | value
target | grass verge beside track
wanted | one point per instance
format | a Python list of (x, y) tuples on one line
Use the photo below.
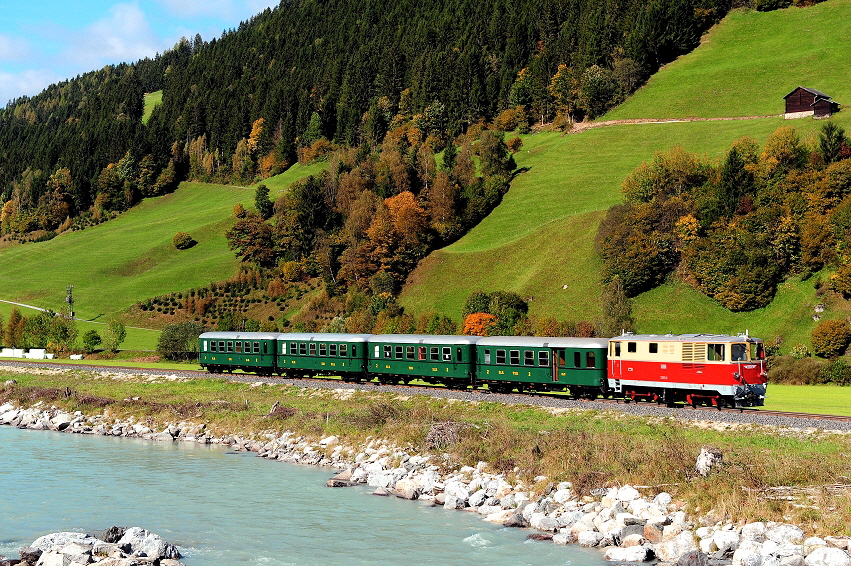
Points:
[(592, 449), (817, 399)]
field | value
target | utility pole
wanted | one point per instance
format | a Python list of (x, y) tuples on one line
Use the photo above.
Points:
[(69, 298)]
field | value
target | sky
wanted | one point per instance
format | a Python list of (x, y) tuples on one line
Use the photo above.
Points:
[(46, 41)]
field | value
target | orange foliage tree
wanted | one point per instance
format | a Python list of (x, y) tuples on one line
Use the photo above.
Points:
[(479, 323)]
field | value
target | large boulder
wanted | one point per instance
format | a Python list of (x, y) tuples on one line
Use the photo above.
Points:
[(589, 538), (828, 557), (785, 534), (631, 554), (59, 540), (709, 458), (137, 541), (672, 549)]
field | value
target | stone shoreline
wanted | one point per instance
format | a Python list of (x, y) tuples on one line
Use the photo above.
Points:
[(624, 524)]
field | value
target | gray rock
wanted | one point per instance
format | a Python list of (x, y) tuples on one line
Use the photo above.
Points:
[(164, 436), (381, 492), (478, 498), (692, 558), (30, 554), (59, 540), (137, 540), (453, 502), (589, 538), (53, 559), (754, 531), (709, 458), (563, 539), (828, 557), (785, 534), (542, 522), (672, 549), (795, 560), (516, 520)]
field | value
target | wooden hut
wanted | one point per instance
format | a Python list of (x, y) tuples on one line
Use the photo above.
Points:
[(804, 101)]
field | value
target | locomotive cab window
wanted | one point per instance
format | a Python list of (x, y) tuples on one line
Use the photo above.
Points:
[(543, 358), (715, 352), (653, 347), (631, 347), (343, 350), (616, 349), (739, 352), (757, 352), (434, 354), (590, 360), (528, 357), (487, 356), (500, 357), (514, 357)]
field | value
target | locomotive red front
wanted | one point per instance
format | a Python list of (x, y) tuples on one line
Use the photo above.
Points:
[(696, 369)]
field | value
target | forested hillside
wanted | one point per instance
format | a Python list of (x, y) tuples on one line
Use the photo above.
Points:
[(240, 106)]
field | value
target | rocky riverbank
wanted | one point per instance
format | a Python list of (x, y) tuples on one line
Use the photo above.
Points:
[(115, 546), (627, 523)]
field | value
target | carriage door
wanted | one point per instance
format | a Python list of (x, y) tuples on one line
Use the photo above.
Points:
[(558, 361), (615, 357)]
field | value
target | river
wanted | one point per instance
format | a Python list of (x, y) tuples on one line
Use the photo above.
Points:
[(221, 508)]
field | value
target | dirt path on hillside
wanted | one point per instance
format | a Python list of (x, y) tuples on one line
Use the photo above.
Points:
[(580, 127)]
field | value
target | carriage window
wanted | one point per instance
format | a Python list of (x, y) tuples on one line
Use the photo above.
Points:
[(590, 360), (376, 350), (543, 358), (500, 356), (212, 345), (312, 349), (265, 347), (434, 354), (283, 347), (332, 350), (230, 346), (577, 359), (631, 347), (715, 352), (514, 357), (460, 354), (447, 354), (757, 352), (400, 352), (343, 349), (388, 351), (221, 346), (354, 351), (421, 353), (239, 347), (409, 352), (654, 347), (323, 349), (256, 347), (528, 357), (302, 349), (487, 356), (739, 352)]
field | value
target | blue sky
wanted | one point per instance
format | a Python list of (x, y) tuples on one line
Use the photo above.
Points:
[(46, 41)]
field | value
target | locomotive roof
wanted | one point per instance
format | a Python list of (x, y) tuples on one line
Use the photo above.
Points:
[(685, 338), (424, 339), (544, 341), (324, 337), (239, 335)]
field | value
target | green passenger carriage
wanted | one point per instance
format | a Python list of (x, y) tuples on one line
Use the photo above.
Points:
[(227, 351), (448, 360), (307, 354), (543, 364)]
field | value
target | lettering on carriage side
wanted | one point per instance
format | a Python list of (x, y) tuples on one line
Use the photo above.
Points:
[(434, 369), (501, 372), (323, 363), (515, 373), (664, 366), (385, 367)]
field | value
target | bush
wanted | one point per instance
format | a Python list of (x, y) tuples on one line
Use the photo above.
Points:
[(179, 341), (792, 371), (91, 340), (831, 337), (183, 241)]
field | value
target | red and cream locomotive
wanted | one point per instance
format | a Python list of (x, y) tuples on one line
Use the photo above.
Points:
[(696, 369)]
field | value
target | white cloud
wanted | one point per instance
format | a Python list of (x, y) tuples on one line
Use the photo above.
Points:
[(13, 48), (25, 83), (124, 35)]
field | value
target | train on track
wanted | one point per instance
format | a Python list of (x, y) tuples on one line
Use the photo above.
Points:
[(696, 369)]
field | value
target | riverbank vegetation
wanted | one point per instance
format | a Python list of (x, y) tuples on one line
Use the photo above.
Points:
[(592, 449)]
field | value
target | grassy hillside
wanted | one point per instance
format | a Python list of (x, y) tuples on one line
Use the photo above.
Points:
[(538, 242), (747, 63), (152, 100)]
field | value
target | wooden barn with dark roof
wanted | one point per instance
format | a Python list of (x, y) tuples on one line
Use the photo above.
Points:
[(804, 101)]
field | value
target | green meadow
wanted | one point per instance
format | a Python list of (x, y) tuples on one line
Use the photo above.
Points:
[(747, 63), (152, 100)]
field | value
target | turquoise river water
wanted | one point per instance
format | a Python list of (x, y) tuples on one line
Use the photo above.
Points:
[(221, 508)]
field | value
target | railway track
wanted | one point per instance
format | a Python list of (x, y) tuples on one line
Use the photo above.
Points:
[(553, 400)]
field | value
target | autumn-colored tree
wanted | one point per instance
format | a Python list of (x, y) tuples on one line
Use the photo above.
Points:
[(831, 337), (251, 240), (256, 132), (14, 332), (479, 324)]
